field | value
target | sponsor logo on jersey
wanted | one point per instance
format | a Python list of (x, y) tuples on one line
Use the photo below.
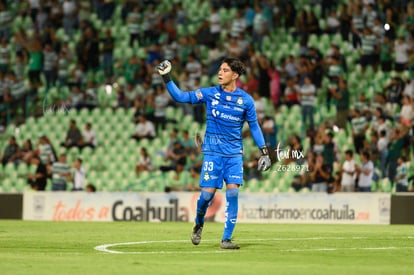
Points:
[(199, 95), (238, 109), (214, 102), (229, 117), (240, 101), (217, 95), (206, 176), (215, 112)]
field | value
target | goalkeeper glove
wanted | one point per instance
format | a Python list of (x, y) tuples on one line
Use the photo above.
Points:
[(164, 69), (264, 160)]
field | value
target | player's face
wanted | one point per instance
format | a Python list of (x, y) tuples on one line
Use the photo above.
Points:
[(226, 75)]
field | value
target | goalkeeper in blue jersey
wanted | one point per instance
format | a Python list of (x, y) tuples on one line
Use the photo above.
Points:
[(227, 108)]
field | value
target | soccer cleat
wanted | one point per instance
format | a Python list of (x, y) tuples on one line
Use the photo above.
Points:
[(196, 234), (227, 244)]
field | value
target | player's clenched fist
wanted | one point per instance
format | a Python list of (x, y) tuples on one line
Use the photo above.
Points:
[(264, 162), (163, 69)]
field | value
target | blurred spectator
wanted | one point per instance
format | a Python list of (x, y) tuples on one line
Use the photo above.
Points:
[(342, 97), (73, 136), (144, 129), (78, 175), (5, 51), (38, 180), (395, 149), (386, 50), (332, 23), (144, 162), (401, 178), (177, 157), (319, 176), (394, 90), (60, 174), (369, 49), (238, 23), (88, 49), (188, 143), (401, 52), (11, 152), (269, 129), (70, 17), (193, 67), (345, 19), (275, 83), (108, 45), (89, 137), (260, 27), (91, 96), (307, 102), (348, 170), (27, 152), (233, 48), (334, 183), (18, 92), (45, 151), (365, 172), (313, 23), (250, 168), (295, 151), (107, 10), (335, 72), (291, 93), (329, 152), (359, 127), (407, 112), (260, 105), (62, 69), (382, 146), (50, 62), (90, 188), (357, 25), (34, 47), (215, 24), (6, 19), (134, 25)]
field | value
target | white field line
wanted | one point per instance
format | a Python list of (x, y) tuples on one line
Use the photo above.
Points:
[(106, 248)]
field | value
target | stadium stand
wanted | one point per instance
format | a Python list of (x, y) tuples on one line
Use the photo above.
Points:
[(102, 97)]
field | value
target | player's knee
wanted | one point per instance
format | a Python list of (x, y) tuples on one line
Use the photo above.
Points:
[(207, 196), (234, 192)]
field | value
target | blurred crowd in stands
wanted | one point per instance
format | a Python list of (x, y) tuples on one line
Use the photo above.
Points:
[(77, 46)]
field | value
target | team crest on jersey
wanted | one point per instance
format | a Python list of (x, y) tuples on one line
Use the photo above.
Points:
[(199, 95), (206, 176), (240, 101), (228, 98)]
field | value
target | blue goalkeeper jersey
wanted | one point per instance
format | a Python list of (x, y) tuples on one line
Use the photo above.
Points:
[(226, 114)]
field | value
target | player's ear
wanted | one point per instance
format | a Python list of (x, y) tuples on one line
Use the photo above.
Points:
[(235, 76)]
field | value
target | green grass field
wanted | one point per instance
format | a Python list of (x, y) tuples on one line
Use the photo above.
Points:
[(165, 248)]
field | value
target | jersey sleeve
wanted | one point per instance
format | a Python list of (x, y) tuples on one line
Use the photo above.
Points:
[(198, 96), (250, 110), (193, 97)]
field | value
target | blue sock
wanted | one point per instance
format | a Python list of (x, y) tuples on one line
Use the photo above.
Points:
[(202, 205), (232, 197)]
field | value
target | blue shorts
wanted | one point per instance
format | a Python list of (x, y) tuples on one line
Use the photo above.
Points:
[(217, 169)]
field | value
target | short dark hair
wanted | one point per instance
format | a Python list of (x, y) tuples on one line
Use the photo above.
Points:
[(366, 154), (235, 64), (349, 152)]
